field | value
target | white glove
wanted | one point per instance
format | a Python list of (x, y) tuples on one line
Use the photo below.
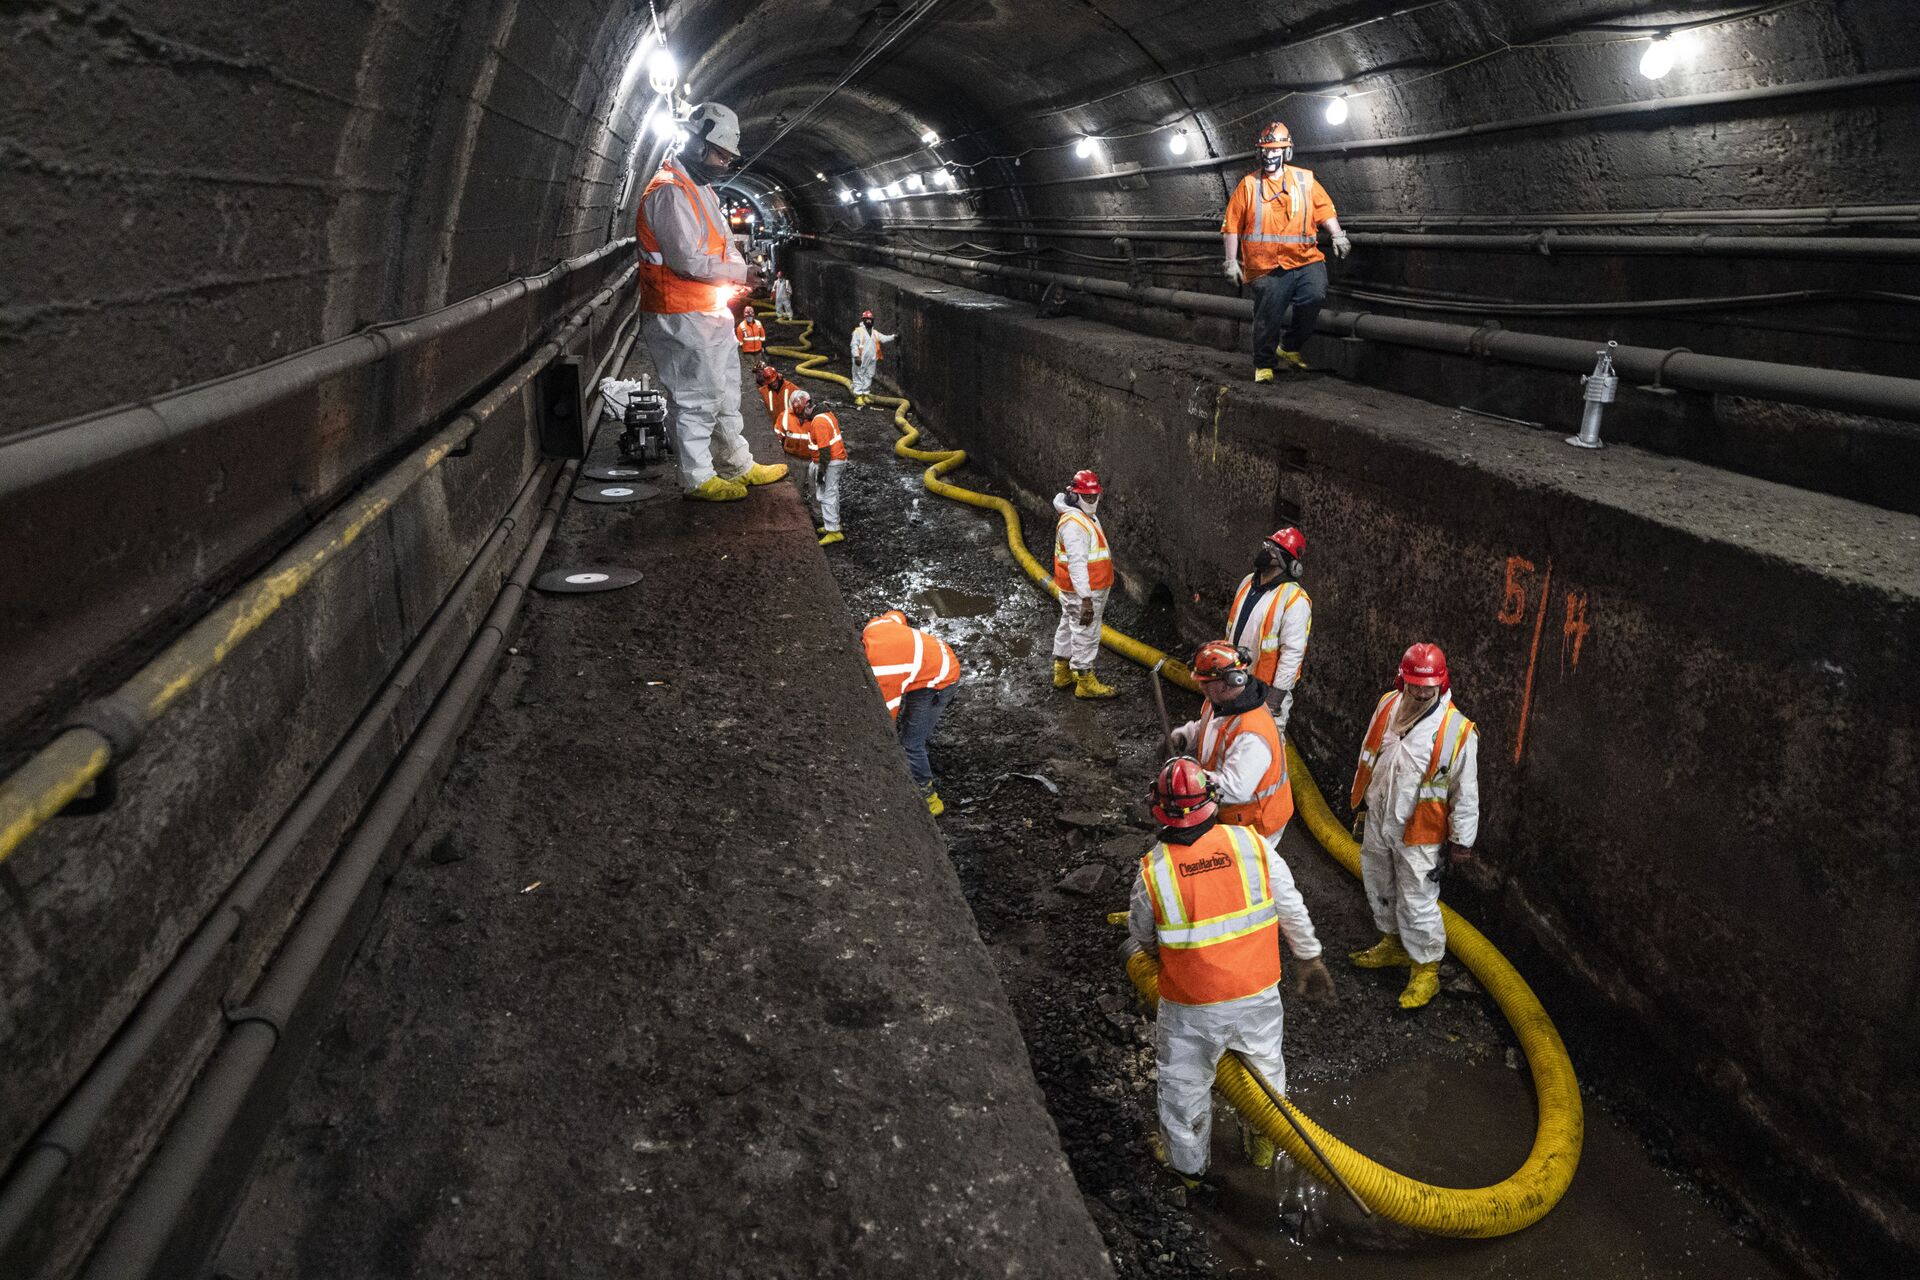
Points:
[(1231, 270), (1342, 246)]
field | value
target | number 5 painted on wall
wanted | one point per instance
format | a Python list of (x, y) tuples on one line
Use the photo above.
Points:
[(1513, 606)]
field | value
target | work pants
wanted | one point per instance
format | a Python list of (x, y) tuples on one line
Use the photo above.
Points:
[(863, 371), (695, 355), (1077, 644), (1400, 889), (825, 481), (1302, 288), (782, 310), (920, 713), (1188, 1042)]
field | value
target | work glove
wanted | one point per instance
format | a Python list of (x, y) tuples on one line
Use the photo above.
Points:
[(1231, 270), (1311, 979), (1360, 825), (1086, 611), (1459, 854), (1342, 246)]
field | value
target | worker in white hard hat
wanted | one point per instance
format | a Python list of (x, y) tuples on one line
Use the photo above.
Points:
[(867, 355), (689, 271), (1416, 800), (1271, 240)]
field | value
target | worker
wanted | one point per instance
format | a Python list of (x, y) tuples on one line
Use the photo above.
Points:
[(776, 390), (1270, 236), (1238, 741), (1212, 899), (1416, 801), (1083, 570), (867, 355), (751, 333), (689, 269), (918, 675), (826, 451), (1272, 616), (782, 296)]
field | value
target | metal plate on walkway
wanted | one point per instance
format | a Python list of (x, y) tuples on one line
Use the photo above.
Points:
[(585, 579), (617, 472), (619, 491)]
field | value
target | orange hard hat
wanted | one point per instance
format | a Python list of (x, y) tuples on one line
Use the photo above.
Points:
[(1423, 664), (1223, 660), (1183, 795), (1275, 135)]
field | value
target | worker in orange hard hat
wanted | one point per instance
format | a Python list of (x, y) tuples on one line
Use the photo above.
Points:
[(1270, 235), (1213, 900), (1272, 616), (1238, 741), (1416, 800), (917, 673), (1083, 571)]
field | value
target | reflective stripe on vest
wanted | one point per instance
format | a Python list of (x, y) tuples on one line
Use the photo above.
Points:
[(1218, 934), (899, 678), (1267, 626), (1296, 183), (1432, 805), (1272, 804), (1099, 556), (662, 290)]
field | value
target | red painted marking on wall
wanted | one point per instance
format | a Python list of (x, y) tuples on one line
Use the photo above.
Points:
[(1533, 660), (1575, 629), (1513, 605)]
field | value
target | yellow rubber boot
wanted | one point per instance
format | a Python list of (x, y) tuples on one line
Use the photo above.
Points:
[(935, 805), (1422, 986), (1256, 1146), (1087, 685), (1158, 1145), (762, 473), (860, 402), (1263, 375), (1062, 674), (1293, 358), (1384, 954), (832, 536), (714, 489)]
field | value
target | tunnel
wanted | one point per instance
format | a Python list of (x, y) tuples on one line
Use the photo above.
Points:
[(430, 846)]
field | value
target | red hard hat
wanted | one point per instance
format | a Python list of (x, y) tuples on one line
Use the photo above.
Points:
[(866, 315), (1085, 483), (768, 375), (1291, 541), (1275, 135), (1183, 795), (1423, 664), (1222, 660)]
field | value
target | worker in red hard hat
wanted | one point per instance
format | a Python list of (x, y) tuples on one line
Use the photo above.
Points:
[(1212, 899), (1270, 236), (1416, 800), (1083, 571), (867, 354), (776, 392), (826, 452), (1238, 741), (918, 674), (1272, 616)]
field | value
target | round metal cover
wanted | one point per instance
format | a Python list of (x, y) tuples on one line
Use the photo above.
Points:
[(617, 491), (614, 472), (586, 578)]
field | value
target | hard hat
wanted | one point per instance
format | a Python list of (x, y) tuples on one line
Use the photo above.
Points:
[(768, 375), (716, 126), (800, 399), (1423, 664), (866, 315), (1183, 795), (1086, 484), (893, 614), (1275, 135), (1223, 660), (1291, 541)]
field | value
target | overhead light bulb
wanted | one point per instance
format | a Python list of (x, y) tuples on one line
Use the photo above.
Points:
[(1658, 59), (1178, 143), (893, 189), (876, 194), (915, 182), (931, 138), (1337, 110), (1083, 148), (662, 71), (846, 196), (821, 176), (944, 177), (664, 125)]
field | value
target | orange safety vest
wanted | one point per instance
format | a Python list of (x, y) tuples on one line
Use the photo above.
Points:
[(1215, 917), (823, 432), (905, 659), (1099, 557), (1431, 804), (1277, 220), (778, 398), (794, 441), (1266, 630), (753, 335), (662, 290), (1272, 805)]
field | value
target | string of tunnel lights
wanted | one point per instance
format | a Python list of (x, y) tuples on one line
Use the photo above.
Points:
[(1669, 45)]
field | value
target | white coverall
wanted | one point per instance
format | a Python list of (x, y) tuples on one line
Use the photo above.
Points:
[(1077, 644), (696, 352), (1396, 875), (866, 356), (1189, 1039), (1239, 774), (823, 480), (783, 299), (1263, 633)]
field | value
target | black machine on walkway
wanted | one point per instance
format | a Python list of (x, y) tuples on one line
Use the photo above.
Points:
[(643, 434)]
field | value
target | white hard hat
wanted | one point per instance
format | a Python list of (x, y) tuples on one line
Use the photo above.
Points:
[(715, 125)]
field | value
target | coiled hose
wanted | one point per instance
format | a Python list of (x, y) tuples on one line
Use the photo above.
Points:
[(1517, 1201)]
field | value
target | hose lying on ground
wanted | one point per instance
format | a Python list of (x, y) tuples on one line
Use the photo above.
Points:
[(1517, 1201)]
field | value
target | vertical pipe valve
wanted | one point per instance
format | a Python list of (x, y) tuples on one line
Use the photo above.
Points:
[(1597, 389)]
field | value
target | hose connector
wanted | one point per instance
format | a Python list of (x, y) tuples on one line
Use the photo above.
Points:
[(1597, 389)]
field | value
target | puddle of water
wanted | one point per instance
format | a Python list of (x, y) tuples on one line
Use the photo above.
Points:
[(949, 603), (1467, 1126)]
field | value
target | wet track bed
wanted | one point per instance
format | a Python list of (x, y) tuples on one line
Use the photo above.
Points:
[(1045, 825)]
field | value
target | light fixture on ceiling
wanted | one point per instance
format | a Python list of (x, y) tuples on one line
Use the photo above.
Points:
[(915, 182), (893, 189), (1666, 49), (1337, 110), (944, 177), (931, 138), (1178, 142), (846, 196), (664, 125), (876, 194), (1083, 148), (820, 176), (662, 71)]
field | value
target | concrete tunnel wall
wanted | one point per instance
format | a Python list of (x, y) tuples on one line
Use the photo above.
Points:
[(1697, 731)]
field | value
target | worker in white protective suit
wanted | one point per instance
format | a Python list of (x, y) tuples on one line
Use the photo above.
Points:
[(689, 271), (1083, 571), (867, 355), (782, 296), (1212, 900), (1416, 800), (1237, 741), (1271, 618)]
